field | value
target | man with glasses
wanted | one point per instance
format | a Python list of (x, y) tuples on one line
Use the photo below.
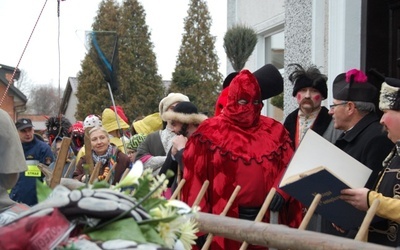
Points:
[(384, 229), (353, 111)]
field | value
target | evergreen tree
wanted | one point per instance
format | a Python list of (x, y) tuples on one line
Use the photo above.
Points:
[(239, 44), (140, 87), (196, 71)]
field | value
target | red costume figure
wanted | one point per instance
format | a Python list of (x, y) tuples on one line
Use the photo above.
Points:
[(239, 147)]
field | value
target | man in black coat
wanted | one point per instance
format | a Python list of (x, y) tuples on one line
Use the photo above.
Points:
[(309, 90), (353, 111)]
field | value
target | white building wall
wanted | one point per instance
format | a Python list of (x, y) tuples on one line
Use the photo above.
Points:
[(326, 33)]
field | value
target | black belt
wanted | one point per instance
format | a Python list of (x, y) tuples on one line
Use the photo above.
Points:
[(248, 213)]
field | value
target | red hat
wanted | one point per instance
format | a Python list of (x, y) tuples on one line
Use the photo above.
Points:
[(221, 101), (121, 113)]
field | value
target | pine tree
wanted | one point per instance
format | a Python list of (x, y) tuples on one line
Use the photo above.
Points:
[(140, 87), (196, 71)]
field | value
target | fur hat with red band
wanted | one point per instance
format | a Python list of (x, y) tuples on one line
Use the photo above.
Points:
[(354, 86)]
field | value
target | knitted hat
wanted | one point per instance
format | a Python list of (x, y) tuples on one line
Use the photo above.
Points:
[(390, 94), (92, 121), (77, 128), (135, 140), (148, 124), (310, 77), (353, 86), (109, 121), (170, 99), (185, 112)]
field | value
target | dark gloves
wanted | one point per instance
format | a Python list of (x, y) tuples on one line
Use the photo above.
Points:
[(277, 202)]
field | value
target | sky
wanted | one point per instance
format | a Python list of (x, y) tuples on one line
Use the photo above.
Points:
[(56, 46)]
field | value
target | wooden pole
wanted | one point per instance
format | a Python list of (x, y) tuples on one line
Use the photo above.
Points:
[(178, 189), (60, 162), (88, 151), (261, 213), (95, 173), (362, 233), (224, 212), (310, 212), (277, 236), (70, 169), (201, 193)]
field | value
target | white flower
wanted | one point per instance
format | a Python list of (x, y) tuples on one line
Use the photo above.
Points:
[(156, 183), (181, 206), (133, 176), (188, 231)]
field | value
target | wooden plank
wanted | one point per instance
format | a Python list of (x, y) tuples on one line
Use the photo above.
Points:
[(88, 151), (70, 169), (60, 162)]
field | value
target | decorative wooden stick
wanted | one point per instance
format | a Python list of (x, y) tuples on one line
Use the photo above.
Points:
[(224, 212), (201, 193), (261, 213), (310, 212), (70, 169), (363, 231), (95, 173), (109, 174), (88, 150), (178, 189), (60, 162)]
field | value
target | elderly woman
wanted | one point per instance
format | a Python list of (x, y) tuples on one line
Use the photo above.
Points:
[(109, 155)]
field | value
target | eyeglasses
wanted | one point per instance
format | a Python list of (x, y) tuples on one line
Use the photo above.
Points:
[(338, 104)]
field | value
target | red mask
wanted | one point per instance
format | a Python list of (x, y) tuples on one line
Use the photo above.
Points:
[(244, 87)]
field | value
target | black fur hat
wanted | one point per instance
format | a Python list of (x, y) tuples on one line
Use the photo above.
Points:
[(311, 77)]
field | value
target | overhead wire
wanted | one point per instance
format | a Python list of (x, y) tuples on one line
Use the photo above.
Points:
[(10, 81)]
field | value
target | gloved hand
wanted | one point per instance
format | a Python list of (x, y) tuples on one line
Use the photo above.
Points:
[(277, 202)]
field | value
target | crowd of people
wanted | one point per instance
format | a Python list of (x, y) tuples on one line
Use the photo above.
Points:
[(236, 147)]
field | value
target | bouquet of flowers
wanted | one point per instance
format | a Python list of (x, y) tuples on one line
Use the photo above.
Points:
[(133, 212)]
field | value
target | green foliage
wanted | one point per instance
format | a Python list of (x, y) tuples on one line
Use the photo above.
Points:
[(42, 191), (239, 44), (125, 229), (151, 234), (196, 71), (140, 87), (277, 101)]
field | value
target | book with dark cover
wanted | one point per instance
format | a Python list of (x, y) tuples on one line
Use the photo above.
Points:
[(318, 166)]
